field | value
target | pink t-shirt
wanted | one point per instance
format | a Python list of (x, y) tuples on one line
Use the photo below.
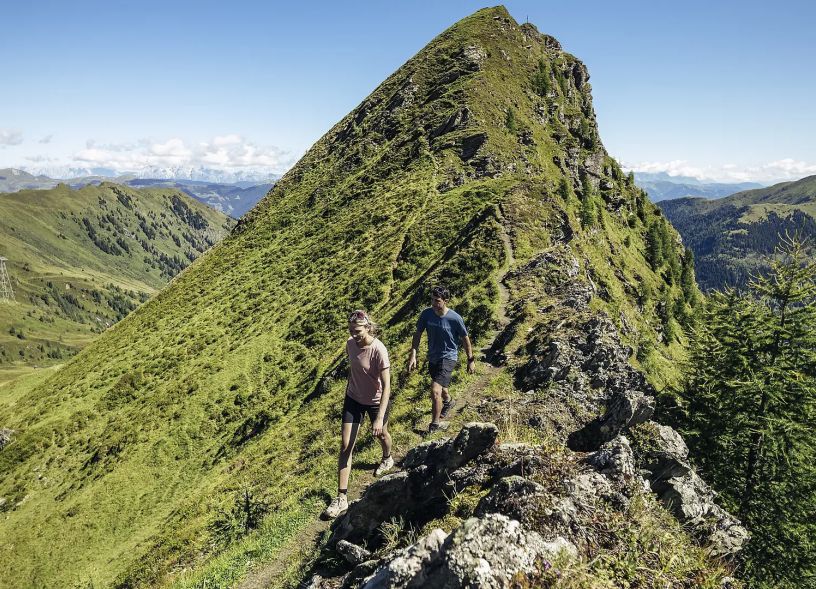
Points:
[(365, 366)]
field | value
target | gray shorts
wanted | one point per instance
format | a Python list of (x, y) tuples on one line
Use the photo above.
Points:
[(441, 371)]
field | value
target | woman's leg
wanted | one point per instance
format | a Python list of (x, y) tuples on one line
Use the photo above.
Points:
[(348, 438), (385, 441)]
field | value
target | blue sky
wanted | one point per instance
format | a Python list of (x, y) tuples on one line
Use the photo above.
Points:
[(712, 89)]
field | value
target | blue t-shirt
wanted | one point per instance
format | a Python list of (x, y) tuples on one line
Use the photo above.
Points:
[(444, 333)]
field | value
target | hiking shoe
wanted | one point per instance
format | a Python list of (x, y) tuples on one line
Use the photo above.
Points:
[(447, 406), (338, 505), (386, 465), (438, 427)]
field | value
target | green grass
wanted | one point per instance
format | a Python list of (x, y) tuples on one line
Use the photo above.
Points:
[(213, 386), (78, 263)]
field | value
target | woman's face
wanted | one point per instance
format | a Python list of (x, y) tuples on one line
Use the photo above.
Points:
[(359, 333)]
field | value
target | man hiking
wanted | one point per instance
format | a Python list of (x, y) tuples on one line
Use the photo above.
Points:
[(446, 330)]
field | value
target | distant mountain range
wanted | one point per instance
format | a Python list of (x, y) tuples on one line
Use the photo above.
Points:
[(735, 237), (234, 197), (661, 186)]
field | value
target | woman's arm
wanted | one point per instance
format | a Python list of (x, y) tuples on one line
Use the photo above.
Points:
[(385, 378)]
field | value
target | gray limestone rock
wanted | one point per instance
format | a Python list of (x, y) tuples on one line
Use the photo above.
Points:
[(625, 409), (513, 496), (352, 553), (483, 552), (614, 459), (409, 566), (5, 437), (411, 491), (691, 501)]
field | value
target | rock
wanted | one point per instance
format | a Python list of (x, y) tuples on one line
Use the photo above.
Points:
[(626, 408), (408, 563), (5, 437), (352, 553), (413, 491), (513, 496), (664, 453), (474, 56), (456, 121), (691, 501), (485, 552), (470, 145), (614, 459), (489, 552)]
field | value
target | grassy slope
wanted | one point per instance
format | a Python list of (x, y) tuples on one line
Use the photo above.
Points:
[(734, 237), (67, 288), (126, 457)]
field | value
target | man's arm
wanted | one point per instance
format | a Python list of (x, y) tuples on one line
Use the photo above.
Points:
[(471, 361), (385, 377), (412, 361)]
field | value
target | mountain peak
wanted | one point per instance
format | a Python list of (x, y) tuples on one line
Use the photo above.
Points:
[(477, 165), (487, 98)]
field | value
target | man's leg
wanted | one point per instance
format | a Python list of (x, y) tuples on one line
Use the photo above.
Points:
[(445, 395), (436, 401)]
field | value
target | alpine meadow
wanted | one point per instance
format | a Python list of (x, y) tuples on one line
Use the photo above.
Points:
[(194, 442)]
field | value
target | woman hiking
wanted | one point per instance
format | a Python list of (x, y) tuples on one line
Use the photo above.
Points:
[(367, 393)]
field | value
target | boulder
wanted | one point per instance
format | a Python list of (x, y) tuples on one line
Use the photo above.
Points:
[(625, 409), (352, 553), (5, 437), (483, 552), (412, 492)]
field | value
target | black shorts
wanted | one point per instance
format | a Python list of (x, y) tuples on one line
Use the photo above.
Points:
[(354, 412), (441, 371)]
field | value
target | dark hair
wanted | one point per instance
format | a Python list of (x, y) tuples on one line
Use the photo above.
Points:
[(441, 292)]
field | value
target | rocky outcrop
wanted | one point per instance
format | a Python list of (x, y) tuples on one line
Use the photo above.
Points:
[(482, 552), (663, 460), (5, 437), (534, 506), (416, 491)]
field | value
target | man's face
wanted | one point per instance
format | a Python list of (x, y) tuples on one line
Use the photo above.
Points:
[(438, 303)]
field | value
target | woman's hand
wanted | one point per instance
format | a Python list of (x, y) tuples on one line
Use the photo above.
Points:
[(378, 427)]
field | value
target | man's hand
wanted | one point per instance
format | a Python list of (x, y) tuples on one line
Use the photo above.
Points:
[(378, 427), (412, 363), (471, 365)]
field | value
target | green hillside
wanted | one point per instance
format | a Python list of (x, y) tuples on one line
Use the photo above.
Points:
[(80, 260), (734, 238), (478, 159)]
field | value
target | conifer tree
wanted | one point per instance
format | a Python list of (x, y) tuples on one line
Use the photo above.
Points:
[(751, 416)]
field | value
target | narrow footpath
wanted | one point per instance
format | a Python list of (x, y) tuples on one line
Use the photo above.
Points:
[(308, 538)]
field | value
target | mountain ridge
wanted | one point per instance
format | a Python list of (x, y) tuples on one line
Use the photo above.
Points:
[(233, 199), (224, 388), (735, 238), (80, 260)]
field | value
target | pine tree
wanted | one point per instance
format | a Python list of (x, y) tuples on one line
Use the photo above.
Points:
[(751, 395), (588, 213), (654, 246)]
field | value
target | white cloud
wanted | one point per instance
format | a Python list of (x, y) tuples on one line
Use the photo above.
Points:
[(41, 159), (779, 170), (10, 137), (231, 153), (46, 139)]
